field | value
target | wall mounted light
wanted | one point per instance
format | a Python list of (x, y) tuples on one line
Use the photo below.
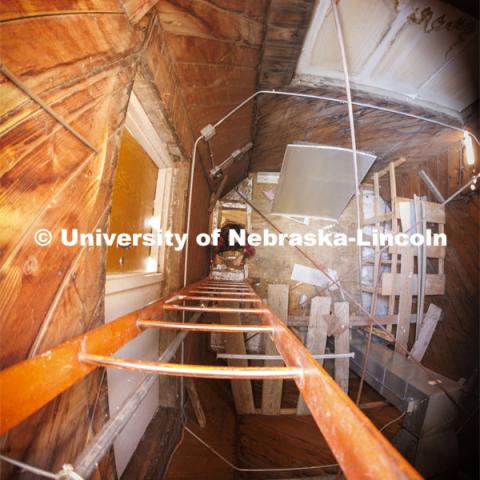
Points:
[(468, 144)]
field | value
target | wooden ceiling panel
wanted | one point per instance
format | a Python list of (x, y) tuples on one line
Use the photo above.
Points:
[(190, 49), (215, 50), (204, 19), (286, 27)]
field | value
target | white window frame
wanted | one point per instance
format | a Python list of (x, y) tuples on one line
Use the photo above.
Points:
[(141, 128)]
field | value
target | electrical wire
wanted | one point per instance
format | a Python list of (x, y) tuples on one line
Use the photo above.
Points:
[(240, 469), (338, 100), (67, 471), (391, 422)]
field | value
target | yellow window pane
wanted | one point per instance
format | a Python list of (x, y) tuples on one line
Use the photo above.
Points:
[(132, 204)]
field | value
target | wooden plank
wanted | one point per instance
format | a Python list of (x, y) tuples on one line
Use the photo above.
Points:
[(15, 10), (431, 251), (434, 212), (384, 217), (187, 17), (355, 320), (191, 49), (195, 401), (429, 325), (316, 336), (342, 343), (137, 9), (405, 284), (235, 343), (111, 39), (434, 283), (272, 389)]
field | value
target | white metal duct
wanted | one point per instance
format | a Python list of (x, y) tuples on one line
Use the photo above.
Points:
[(318, 180)]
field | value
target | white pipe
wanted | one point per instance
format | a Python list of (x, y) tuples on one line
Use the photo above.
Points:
[(338, 100), (352, 128), (461, 189), (241, 356)]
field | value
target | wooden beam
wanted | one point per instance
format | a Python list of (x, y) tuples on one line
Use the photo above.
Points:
[(241, 389), (316, 336), (195, 401), (429, 325), (342, 343), (272, 389), (355, 320), (406, 274), (391, 283)]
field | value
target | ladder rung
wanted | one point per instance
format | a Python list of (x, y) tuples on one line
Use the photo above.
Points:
[(203, 327), (223, 287), (198, 371), (198, 308), (203, 292), (226, 284), (214, 299)]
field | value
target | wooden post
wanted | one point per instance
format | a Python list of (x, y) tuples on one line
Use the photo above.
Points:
[(342, 343), (235, 343), (406, 280), (272, 389), (195, 401), (426, 332), (316, 336)]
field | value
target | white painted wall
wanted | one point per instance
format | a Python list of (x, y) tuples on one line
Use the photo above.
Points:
[(124, 294)]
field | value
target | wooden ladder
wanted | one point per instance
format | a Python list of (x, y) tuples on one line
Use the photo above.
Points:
[(360, 449)]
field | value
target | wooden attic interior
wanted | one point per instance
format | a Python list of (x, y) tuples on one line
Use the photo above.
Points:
[(106, 105)]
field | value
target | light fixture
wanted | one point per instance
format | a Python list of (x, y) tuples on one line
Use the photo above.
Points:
[(153, 223), (467, 141), (151, 265)]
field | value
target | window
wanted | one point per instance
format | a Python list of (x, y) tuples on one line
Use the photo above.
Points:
[(141, 194)]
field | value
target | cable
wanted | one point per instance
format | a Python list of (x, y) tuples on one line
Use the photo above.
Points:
[(240, 469), (391, 422), (19, 84), (352, 126), (338, 100), (66, 472)]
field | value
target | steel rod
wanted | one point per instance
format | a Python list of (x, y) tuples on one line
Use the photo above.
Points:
[(239, 356), (203, 327), (200, 291), (196, 371), (190, 308), (87, 461), (217, 299), (225, 289)]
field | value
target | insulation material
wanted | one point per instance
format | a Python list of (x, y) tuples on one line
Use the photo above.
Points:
[(313, 276), (318, 180)]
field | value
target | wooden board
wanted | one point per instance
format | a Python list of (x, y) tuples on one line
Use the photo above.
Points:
[(342, 343), (272, 389), (235, 343), (316, 336), (425, 335), (434, 283)]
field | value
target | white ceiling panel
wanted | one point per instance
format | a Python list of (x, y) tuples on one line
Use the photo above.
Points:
[(420, 50)]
